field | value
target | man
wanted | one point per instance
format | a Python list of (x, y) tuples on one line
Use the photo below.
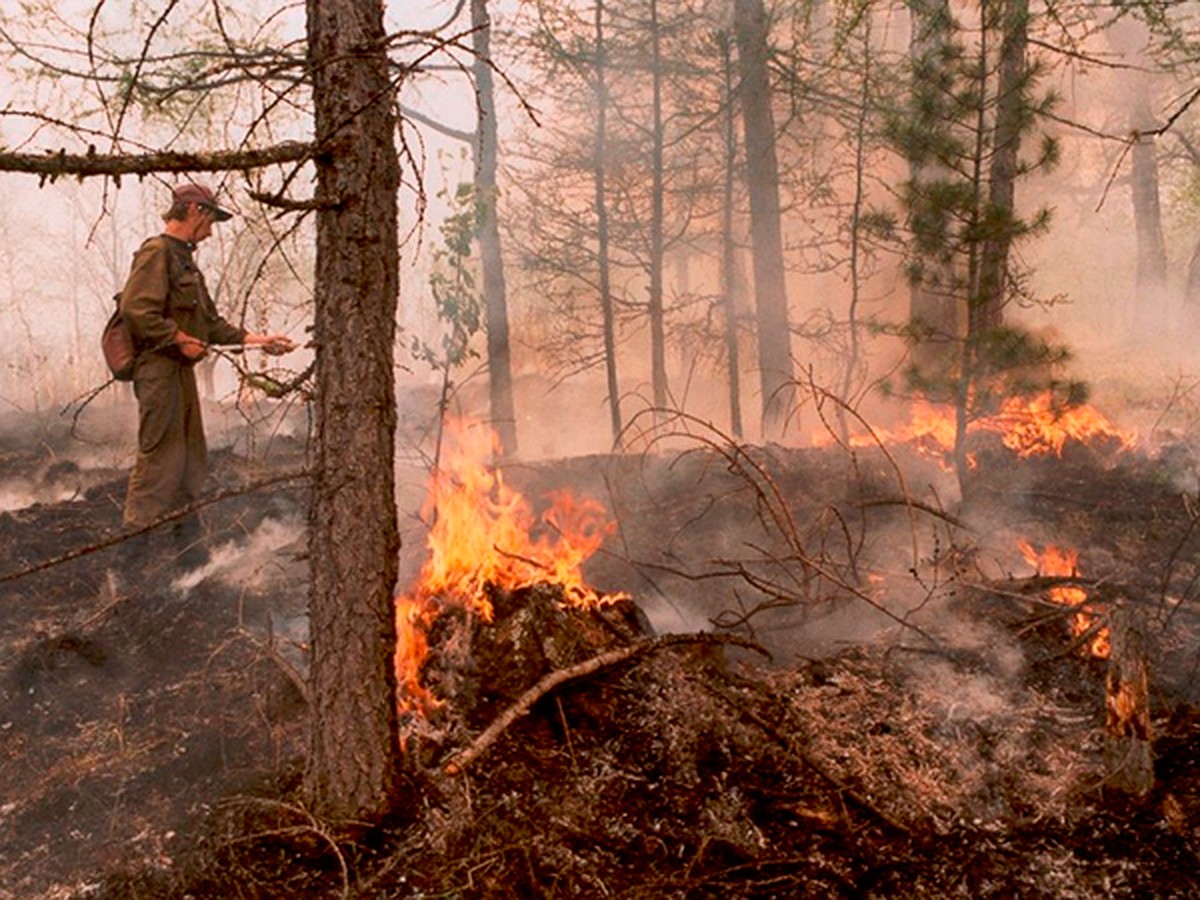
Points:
[(173, 321)]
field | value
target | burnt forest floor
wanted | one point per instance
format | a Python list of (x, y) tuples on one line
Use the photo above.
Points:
[(924, 724)]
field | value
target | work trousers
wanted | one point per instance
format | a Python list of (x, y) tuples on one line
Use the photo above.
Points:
[(172, 459)]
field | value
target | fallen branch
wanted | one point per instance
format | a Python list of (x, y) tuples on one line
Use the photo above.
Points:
[(909, 502), (548, 683), (179, 513)]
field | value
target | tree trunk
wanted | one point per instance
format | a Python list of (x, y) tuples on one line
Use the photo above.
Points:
[(503, 417), (602, 237), (934, 300), (1130, 37), (1006, 142), (1129, 762), (658, 351), (766, 237), (729, 249), (1191, 287), (354, 542), (1150, 287)]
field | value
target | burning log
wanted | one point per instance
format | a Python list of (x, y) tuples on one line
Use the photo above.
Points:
[(1129, 761), (472, 668)]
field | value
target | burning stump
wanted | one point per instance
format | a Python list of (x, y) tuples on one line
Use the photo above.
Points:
[(1129, 762), (474, 669)]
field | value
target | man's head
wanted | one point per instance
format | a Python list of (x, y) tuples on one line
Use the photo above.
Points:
[(193, 211)]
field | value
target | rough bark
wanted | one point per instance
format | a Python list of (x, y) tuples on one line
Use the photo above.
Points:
[(1128, 758), (777, 374), (353, 537), (495, 292)]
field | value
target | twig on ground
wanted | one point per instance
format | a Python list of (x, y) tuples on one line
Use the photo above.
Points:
[(548, 683), (179, 513)]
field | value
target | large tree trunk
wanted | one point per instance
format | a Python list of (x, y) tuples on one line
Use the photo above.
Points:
[(503, 417), (766, 237), (353, 537), (602, 237)]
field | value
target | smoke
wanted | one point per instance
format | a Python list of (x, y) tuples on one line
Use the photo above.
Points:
[(265, 561)]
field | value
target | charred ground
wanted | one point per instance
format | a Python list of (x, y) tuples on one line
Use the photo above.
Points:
[(946, 743)]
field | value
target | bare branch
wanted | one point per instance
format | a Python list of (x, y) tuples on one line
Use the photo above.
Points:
[(467, 137), (51, 166)]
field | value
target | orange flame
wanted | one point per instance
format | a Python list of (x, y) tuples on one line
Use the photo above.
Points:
[(1036, 426), (1058, 561), (485, 535)]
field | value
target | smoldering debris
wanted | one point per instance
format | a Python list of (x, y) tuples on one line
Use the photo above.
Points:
[(964, 759)]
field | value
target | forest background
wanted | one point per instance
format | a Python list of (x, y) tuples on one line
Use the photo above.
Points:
[(1110, 274), (773, 219)]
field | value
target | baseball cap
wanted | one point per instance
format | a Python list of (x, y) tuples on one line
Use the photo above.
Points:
[(201, 196)]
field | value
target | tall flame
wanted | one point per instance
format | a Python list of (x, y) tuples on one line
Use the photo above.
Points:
[(485, 535), (1054, 560)]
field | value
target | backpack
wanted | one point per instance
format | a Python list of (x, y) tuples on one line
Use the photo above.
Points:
[(117, 343)]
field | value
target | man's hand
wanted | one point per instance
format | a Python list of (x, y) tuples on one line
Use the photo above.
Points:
[(190, 347), (274, 344)]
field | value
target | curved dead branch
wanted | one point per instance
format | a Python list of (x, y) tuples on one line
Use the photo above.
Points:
[(174, 515), (548, 683)]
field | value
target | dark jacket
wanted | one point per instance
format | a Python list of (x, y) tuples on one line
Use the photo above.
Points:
[(165, 293)]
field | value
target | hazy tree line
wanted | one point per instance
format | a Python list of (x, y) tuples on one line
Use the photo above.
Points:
[(797, 201)]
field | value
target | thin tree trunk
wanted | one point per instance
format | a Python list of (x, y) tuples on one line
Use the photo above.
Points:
[(964, 406), (658, 352), (602, 236), (934, 300), (729, 248), (766, 237), (353, 763), (1130, 37), (500, 386), (854, 347), (1151, 283)]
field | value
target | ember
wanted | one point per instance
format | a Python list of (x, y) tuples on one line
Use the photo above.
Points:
[(484, 537), (1058, 561)]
